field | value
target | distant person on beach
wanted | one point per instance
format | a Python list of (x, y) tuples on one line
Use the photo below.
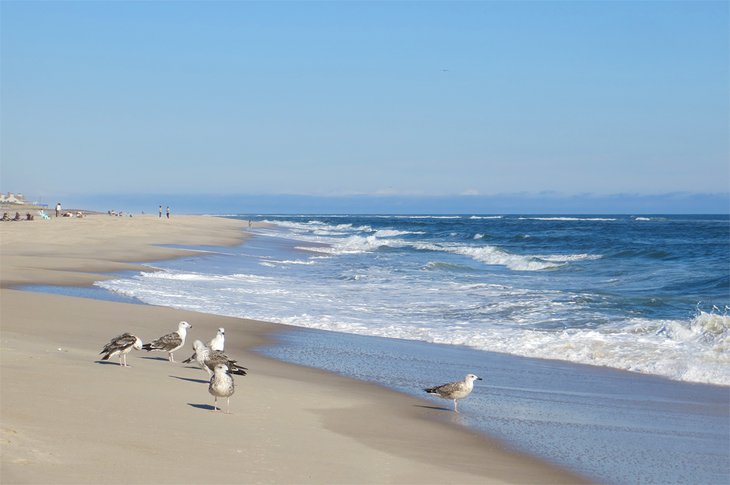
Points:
[(58, 209), (168, 211), (160, 212)]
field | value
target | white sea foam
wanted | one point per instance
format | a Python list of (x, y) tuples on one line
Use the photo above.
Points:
[(306, 262), (567, 219), (641, 350), (329, 231), (565, 258), (354, 245), (421, 217), (359, 243), (490, 255), (393, 233), (494, 255), (486, 316)]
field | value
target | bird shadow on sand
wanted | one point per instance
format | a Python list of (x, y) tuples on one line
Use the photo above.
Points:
[(201, 381), (107, 362), (437, 408), (207, 407), (154, 358)]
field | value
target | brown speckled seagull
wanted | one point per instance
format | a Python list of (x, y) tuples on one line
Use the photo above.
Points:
[(221, 385), (171, 342), (207, 359), (455, 390), (121, 345)]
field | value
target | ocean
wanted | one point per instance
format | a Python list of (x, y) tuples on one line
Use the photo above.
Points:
[(644, 294), (603, 341)]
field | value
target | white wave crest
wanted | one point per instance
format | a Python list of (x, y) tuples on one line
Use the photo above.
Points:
[(681, 354), (490, 255), (566, 258), (566, 219), (493, 255), (394, 232)]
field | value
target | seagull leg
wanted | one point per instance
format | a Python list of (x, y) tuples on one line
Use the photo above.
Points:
[(456, 406), (125, 360), (228, 405)]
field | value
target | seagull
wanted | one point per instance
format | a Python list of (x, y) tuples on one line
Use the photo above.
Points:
[(221, 385), (207, 360), (455, 390), (218, 341), (121, 345), (170, 342)]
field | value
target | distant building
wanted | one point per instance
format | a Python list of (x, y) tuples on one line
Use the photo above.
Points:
[(12, 198)]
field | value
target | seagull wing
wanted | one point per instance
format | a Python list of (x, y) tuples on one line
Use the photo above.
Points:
[(117, 344), (446, 389), (166, 342), (217, 357)]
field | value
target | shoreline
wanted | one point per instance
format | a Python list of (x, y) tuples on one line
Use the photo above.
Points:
[(57, 421)]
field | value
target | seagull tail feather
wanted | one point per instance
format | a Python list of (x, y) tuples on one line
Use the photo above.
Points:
[(239, 371)]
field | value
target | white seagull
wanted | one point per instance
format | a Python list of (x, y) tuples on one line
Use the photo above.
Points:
[(171, 342), (221, 385), (121, 345), (207, 360), (218, 341), (455, 390)]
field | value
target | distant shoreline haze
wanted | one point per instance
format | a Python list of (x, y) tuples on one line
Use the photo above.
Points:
[(675, 203)]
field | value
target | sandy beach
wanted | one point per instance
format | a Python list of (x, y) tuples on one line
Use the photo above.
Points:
[(69, 418)]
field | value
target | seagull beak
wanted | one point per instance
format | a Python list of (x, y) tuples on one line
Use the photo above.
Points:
[(479, 379)]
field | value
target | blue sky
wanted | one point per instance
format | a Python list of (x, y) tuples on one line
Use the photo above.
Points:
[(335, 99)]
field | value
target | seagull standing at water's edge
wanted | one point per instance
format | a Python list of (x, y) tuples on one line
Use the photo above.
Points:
[(221, 385), (121, 345), (171, 342), (455, 390)]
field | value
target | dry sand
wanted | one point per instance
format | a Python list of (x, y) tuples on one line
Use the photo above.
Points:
[(66, 417)]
